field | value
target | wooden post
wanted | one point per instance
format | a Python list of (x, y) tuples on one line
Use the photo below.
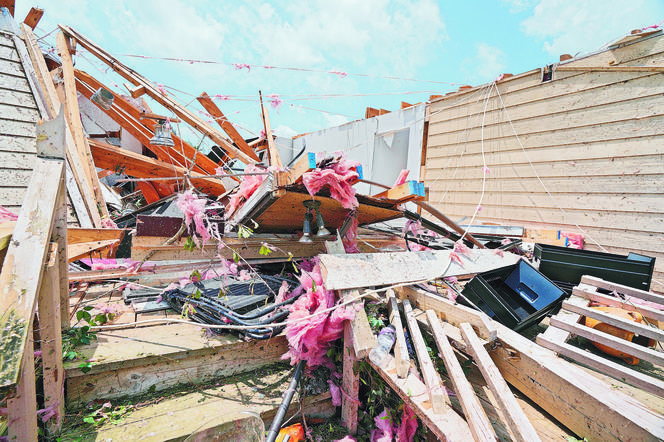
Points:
[(51, 337), (275, 160), (22, 408), (350, 383)]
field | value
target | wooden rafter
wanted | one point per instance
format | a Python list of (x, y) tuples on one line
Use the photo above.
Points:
[(111, 157), (153, 91), (226, 125), (275, 160)]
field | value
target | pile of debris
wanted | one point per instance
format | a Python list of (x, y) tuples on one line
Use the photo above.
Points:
[(290, 262)]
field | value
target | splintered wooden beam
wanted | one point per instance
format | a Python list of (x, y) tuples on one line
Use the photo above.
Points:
[(516, 419), (350, 383), (648, 312), (401, 356), (9, 4), (446, 426), (111, 157), (470, 404), (295, 172), (72, 112), (437, 394), (33, 17), (275, 160), (153, 91), (81, 250), (226, 125)]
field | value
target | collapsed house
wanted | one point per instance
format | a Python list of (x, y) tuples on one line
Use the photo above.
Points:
[(124, 236)]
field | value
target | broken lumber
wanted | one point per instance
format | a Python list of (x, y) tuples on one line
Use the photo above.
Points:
[(437, 393), (580, 401), (342, 272), (401, 356), (516, 419), (153, 91), (447, 426), (408, 191), (33, 17), (350, 382), (472, 409), (451, 224), (275, 159)]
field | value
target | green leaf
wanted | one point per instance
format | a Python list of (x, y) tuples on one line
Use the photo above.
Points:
[(197, 294), (89, 420), (101, 318), (236, 257)]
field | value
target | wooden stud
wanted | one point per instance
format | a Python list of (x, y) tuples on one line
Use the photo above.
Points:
[(401, 356), (226, 125), (33, 17), (275, 159), (350, 383), (9, 4), (607, 318), (51, 341), (363, 338), (647, 312), (408, 191), (521, 427), (294, 174), (654, 356), (153, 91), (472, 409), (134, 91), (370, 112), (437, 394), (623, 289), (72, 113), (603, 365)]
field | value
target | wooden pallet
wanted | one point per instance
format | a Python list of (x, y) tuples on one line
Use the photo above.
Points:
[(566, 324)]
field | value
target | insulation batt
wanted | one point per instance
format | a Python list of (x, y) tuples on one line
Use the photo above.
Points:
[(193, 208), (338, 177), (247, 188), (311, 339)]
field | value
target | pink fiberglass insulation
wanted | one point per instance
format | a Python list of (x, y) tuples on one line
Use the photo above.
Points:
[(247, 188), (350, 238), (384, 429), (403, 176), (339, 177), (408, 427), (310, 339), (6, 215), (193, 208)]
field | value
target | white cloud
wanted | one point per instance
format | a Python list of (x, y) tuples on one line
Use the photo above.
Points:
[(284, 131), (488, 63), (519, 5), (334, 120), (572, 27)]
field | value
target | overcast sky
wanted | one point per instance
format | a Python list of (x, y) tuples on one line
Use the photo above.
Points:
[(441, 44)]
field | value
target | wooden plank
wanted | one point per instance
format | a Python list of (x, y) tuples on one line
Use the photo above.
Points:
[(362, 337), (517, 420), (342, 272), (406, 191), (294, 174), (81, 250), (648, 312), (350, 383), (437, 395), (401, 355), (16, 145), (17, 128), (21, 273), (22, 407), (78, 235), (635, 327), (654, 356), (226, 125), (22, 114), (11, 68), (33, 17), (275, 159), (472, 409), (9, 4), (51, 341), (446, 426), (111, 157), (610, 68), (248, 248), (134, 361), (603, 365), (448, 222), (154, 92), (72, 113), (623, 289)]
